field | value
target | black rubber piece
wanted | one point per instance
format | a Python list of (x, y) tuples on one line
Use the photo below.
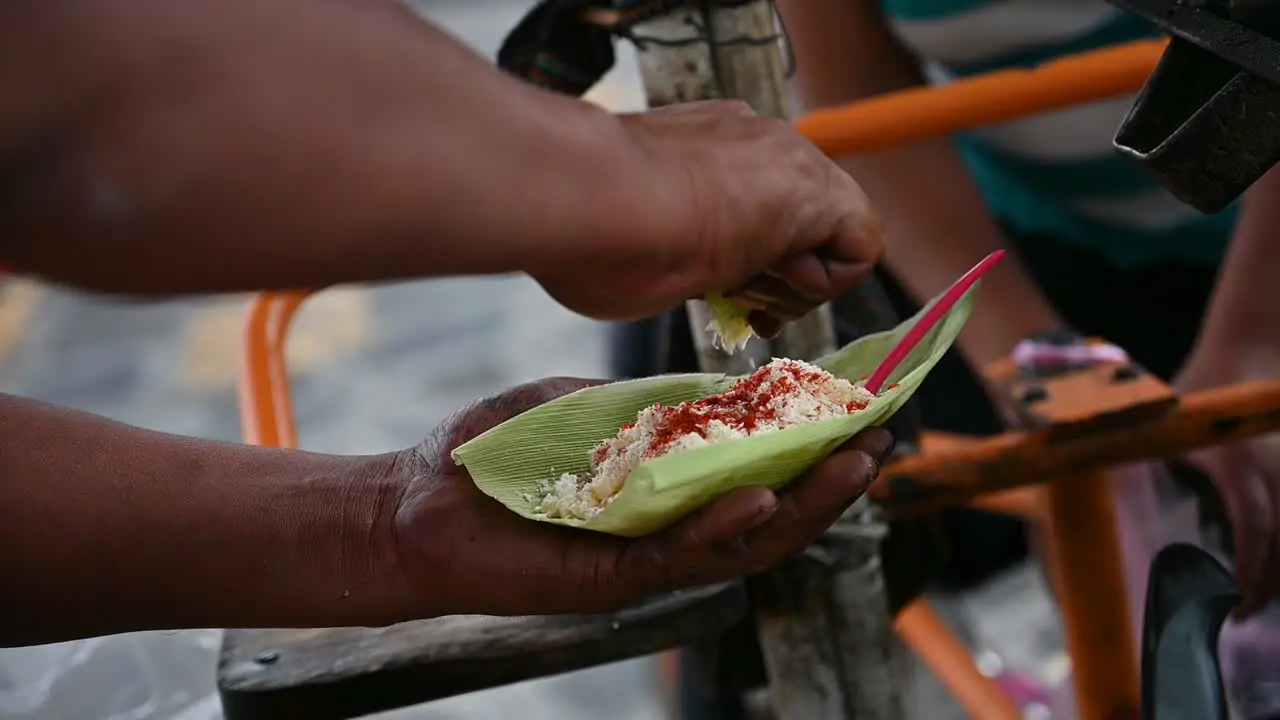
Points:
[(1189, 596)]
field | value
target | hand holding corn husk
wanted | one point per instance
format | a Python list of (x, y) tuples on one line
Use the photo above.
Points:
[(635, 457), (743, 208), (465, 552)]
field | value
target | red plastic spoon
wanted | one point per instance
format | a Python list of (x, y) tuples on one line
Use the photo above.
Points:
[(926, 323)]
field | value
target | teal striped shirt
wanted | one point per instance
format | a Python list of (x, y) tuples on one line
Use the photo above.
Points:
[(1056, 174)]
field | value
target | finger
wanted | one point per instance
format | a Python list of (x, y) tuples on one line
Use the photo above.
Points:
[(769, 325), (530, 395), (1253, 511), (790, 291), (765, 297), (874, 441), (747, 299), (805, 275), (817, 500), (1270, 587), (754, 298), (765, 325), (688, 551), (775, 293), (856, 242), (788, 315), (730, 516), (1249, 506), (1260, 583), (1250, 509)]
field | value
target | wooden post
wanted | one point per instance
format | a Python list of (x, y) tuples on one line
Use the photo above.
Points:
[(823, 620), (680, 68)]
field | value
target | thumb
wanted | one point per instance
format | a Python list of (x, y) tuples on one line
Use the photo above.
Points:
[(487, 412), (521, 398)]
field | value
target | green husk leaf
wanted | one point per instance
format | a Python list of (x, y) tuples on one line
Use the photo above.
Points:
[(512, 461), (729, 327)]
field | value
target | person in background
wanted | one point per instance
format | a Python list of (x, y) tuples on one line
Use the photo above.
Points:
[(1098, 245), (152, 148)]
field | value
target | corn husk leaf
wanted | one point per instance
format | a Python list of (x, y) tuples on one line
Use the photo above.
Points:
[(512, 461)]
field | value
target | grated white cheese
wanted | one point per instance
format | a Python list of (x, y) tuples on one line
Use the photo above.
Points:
[(779, 395)]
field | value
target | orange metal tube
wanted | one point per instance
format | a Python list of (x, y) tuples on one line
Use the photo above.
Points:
[(266, 407), (925, 112), (933, 441), (1025, 503), (921, 628), (1082, 555), (954, 477)]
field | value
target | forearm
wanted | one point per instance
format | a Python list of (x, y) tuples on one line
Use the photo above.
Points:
[(106, 528), (931, 239), (140, 154), (936, 222), (1245, 307)]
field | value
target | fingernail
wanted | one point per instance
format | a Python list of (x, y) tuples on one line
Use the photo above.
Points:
[(753, 296), (881, 443), (890, 446), (868, 477), (747, 301), (763, 514)]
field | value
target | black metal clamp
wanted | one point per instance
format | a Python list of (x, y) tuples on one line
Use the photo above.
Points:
[(567, 46), (1207, 123)]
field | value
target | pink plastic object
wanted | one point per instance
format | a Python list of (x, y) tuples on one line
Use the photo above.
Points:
[(930, 318)]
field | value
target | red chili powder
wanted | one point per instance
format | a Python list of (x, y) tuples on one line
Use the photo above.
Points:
[(742, 407)]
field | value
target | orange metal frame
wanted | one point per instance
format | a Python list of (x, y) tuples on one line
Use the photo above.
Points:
[(1077, 520)]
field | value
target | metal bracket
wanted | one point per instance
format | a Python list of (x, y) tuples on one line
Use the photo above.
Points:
[(567, 46), (1204, 123)]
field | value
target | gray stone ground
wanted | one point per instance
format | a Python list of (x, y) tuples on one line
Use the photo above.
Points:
[(374, 368)]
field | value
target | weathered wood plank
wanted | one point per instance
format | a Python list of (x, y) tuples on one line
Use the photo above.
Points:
[(349, 672)]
